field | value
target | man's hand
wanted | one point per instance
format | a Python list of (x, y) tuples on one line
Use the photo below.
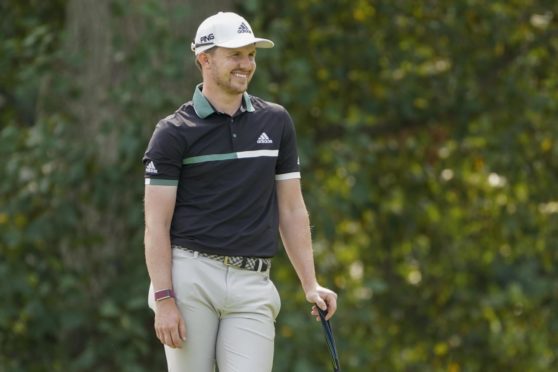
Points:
[(169, 325), (323, 298)]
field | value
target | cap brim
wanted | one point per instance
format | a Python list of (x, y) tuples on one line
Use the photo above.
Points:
[(258, 42)]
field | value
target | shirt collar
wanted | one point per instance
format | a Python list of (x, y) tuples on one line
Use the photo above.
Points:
[(203, 108)]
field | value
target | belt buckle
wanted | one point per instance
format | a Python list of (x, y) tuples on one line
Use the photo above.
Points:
[(226, 261)]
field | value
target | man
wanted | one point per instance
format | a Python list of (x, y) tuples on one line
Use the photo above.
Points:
[(221, 178)]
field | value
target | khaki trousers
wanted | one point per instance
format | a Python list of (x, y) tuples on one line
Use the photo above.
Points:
[(229, 315)]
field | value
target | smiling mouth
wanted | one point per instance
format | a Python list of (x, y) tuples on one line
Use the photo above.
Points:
[(242, 75)]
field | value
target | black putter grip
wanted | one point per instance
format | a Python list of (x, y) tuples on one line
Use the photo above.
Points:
[(329, 339)]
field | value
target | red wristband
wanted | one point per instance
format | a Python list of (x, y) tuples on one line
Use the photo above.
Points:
[(164, 294)]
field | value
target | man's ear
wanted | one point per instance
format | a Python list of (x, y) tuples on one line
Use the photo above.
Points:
[(203, 59)]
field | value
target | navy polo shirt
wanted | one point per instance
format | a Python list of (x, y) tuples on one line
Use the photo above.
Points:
[(225, 169)]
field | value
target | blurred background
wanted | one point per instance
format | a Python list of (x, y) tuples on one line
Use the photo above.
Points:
[(428, 138)]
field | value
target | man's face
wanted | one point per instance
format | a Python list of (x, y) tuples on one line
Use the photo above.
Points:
[(232, 69)]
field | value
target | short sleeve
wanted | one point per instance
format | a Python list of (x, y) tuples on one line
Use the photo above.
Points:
[(288, 166), (164, 154)]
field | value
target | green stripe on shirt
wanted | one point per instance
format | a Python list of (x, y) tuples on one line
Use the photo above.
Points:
[(231, 155), (158, 182)]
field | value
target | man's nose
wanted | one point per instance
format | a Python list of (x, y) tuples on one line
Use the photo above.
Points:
[(246, 62)]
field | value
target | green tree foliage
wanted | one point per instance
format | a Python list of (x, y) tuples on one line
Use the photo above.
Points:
[(429, 150), (429, 146)]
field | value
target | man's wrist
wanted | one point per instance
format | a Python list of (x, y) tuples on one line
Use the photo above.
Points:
[(163, 294), (309, 287)]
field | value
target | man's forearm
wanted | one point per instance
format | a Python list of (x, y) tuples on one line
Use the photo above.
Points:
[(158, 258), (295, 233)]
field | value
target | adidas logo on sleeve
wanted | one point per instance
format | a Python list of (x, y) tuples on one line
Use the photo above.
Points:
[(151, 168), (264, 138)]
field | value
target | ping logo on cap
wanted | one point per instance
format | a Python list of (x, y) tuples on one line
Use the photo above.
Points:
[(207, 39), (243, 29)]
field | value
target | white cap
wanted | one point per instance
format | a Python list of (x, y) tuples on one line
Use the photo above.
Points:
[(226, 30)]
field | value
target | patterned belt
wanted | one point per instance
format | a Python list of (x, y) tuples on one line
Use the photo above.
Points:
[(240, 262)]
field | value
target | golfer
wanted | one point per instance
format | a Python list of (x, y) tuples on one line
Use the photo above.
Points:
[(222, 180)]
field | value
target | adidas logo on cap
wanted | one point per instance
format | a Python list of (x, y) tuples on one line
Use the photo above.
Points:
[(151, 168), (264, 139), (243, 29)]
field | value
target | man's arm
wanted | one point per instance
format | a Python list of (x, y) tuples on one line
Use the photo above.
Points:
[(294, 226), (159, 208)]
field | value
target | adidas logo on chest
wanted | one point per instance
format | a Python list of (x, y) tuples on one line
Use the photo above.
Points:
[(263, 138)]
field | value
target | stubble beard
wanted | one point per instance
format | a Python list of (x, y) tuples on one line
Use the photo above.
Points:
[(230, 86)]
